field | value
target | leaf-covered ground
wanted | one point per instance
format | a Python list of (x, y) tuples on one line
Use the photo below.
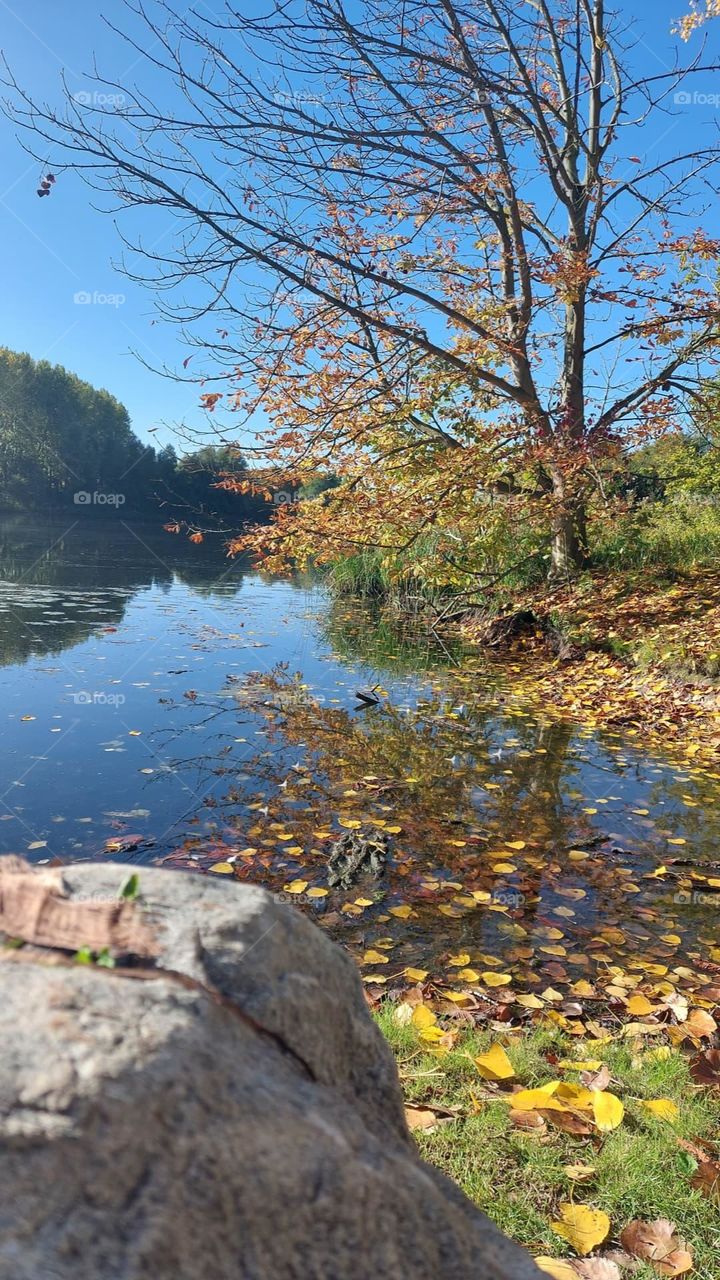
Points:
[(649, 655), (598, 1153)]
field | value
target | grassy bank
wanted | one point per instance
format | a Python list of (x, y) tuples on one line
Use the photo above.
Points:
[(628, 1160), (642, 623)]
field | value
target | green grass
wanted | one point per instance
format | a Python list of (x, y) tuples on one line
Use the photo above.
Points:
[(518, 1178), (677, 533)]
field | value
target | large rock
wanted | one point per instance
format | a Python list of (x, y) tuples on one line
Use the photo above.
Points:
[(218, 1106)]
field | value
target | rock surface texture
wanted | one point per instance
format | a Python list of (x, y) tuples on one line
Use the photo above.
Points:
[(218, 1106)]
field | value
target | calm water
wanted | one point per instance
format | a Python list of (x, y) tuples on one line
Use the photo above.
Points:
[(160, 701)]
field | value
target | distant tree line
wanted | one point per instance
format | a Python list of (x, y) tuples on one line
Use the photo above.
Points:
[(64, 443)]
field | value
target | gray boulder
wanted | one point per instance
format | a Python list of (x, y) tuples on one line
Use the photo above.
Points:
[(218, 1106)]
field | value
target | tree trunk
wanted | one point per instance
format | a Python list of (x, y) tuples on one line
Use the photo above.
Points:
[(569, 532)]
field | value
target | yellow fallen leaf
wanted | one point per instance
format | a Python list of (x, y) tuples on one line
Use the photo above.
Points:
[(529, 1002), (432, 1034), (495, 1064), (496, 979), (222, 868), (416, 975), (469, 975), (401, 912), (579, 1172), (296, 886), (375, 957), (582, 988), (639, 1005), (461, 959), (423, 1017), (589, 1064), (607, 1110), (583, 1227), (557, 1268), (515, 844), (660, 1054), (536, 1099), (663, 1108)]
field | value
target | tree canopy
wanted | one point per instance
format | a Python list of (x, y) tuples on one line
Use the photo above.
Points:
[(433, 252)]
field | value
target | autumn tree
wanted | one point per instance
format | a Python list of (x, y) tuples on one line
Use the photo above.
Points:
[(418, 247)]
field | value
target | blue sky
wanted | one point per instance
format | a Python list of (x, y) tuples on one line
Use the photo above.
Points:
[(55, 248)]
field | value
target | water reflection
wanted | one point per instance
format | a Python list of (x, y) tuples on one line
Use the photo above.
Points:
[(513, 835), (195, 712), (59, 582)]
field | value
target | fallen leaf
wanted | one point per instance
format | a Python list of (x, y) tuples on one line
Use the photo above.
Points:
[(607, 1110), (663, 1108), (583, 1227), (422, 1017), (700, 1024), (706, 1180), (597, 1269), (418, 1119), (495, 1064), (579, 1172), (557, 1268), (656, 1242), (597, 1080), (705, 1068)]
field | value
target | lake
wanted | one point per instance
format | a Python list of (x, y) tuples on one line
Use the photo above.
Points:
[(161, 704)]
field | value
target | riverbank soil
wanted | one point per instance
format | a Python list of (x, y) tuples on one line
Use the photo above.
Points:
[(643, 653)]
